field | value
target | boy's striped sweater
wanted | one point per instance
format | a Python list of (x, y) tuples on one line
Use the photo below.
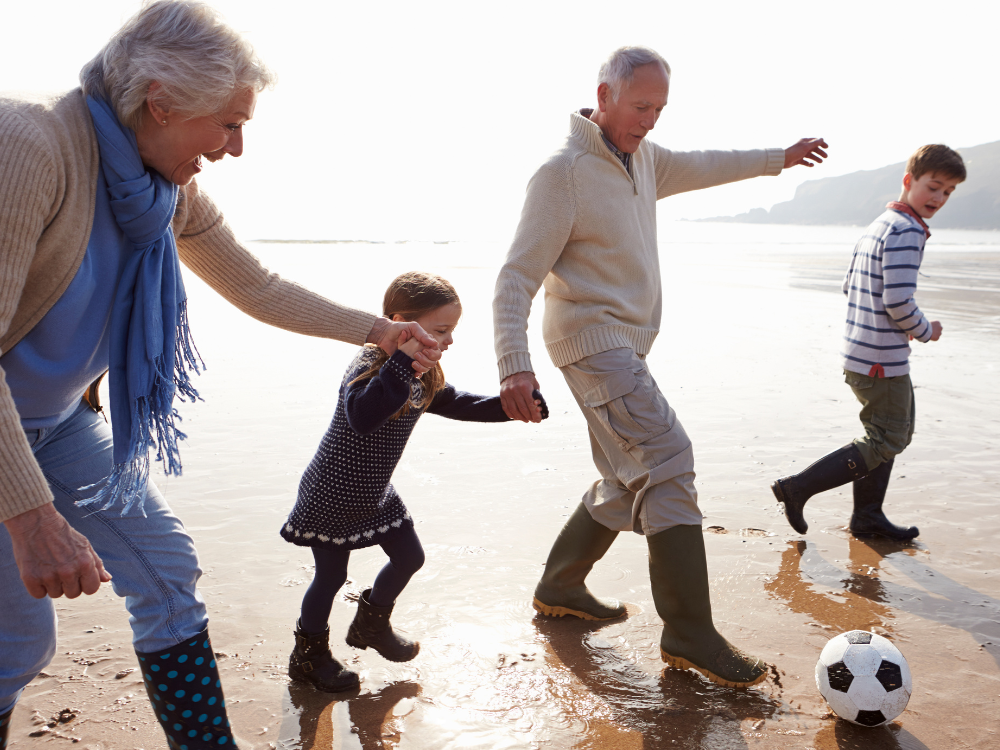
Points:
[(881, 311)]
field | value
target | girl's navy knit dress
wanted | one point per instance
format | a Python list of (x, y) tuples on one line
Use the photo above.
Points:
[(345, 498)]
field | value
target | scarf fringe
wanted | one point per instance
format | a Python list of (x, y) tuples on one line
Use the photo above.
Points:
[(154, 416)]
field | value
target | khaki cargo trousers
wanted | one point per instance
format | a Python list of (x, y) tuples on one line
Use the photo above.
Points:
[(888, 414), (639, 447)]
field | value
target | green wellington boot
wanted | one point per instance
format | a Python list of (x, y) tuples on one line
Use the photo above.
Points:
[(678, 574), (562, 591)]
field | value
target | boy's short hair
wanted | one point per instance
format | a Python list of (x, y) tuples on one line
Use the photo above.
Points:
[(937, 158)]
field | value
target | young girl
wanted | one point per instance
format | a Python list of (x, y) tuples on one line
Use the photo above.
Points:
[(345, 499)]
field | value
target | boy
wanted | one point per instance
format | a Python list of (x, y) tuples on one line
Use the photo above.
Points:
[(882, 317)]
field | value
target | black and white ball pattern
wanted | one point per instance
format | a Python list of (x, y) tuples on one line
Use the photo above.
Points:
[(864, 678)]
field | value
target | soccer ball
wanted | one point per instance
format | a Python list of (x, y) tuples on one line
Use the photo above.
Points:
[(864, 678)]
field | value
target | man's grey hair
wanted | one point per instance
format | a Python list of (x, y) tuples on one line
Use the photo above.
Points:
[(617, 70), (199, 61)]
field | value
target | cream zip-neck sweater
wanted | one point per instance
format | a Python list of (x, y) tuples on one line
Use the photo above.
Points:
[(588, 233), (48, 177)]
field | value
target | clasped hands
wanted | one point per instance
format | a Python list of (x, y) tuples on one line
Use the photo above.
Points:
[(517, 392), (517, 396), (411, 339)]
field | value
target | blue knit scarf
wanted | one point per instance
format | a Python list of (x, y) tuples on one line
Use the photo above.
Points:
[(151, 348)]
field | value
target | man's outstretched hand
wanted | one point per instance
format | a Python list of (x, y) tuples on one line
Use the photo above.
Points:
[(807, 152), (517, 397)]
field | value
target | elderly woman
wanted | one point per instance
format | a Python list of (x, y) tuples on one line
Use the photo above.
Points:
[(97, 205)]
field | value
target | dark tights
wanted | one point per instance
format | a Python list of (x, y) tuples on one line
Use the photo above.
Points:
[(406, 557)]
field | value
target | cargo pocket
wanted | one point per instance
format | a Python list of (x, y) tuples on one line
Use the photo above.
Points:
[(625, 409), (858, 381), (894, 433)]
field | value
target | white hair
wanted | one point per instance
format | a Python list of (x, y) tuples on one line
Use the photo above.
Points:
[(617, 70), (199, 61)]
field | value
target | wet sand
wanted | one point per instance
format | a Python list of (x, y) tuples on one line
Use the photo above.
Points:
[(747, 357)]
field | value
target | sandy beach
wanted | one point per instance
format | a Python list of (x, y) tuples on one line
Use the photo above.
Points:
[(747, 355)]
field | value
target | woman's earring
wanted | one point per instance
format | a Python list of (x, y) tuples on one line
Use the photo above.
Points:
[(164, 122)]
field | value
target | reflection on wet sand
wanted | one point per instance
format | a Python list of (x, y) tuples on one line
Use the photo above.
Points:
[(675, 709), (313, 719), (861, 607), (843, 735), (861, 598), (867, 601)]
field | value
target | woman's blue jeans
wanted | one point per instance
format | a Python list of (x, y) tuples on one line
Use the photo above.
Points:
[(151, 559)]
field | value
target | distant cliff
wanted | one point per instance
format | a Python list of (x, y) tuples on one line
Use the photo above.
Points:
[(859, 197)]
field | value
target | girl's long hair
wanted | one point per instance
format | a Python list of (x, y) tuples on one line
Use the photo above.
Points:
[(410, 296)]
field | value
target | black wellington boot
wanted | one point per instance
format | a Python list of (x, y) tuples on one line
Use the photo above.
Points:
[(184, 687), (868, 518), (678, 575), (562, 589), (371, 627), (312, 662), (5, 728), (833, 470)]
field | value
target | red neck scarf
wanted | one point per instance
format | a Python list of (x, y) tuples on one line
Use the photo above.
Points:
[(905, 208)]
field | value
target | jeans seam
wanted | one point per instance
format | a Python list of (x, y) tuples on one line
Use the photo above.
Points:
[(160, 584)]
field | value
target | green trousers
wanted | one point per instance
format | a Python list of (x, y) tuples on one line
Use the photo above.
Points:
[(887, 413)]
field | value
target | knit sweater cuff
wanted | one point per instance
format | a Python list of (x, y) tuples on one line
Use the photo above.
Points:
[(399, 366), (928, 331), (378, 328), (22, 485), (513, 363), (775, 162)]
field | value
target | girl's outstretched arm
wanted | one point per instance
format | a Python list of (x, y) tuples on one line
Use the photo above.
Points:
[(469, 407), (370, 403)]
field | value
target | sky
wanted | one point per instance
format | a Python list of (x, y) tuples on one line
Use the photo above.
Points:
[(425, 121)]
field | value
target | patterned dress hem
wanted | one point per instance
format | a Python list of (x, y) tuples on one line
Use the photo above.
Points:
[(368, 538)]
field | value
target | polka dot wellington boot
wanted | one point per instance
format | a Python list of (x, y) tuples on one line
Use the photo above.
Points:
[(5, 728), (184, 687)]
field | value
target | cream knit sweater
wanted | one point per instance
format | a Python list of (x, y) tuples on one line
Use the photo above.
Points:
[(588, 232), (48, 176)]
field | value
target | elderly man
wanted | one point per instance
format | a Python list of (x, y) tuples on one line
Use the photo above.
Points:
[(588, 232)]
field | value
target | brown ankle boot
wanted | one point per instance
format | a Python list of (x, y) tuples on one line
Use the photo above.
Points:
[(312, 662), (371, 627)]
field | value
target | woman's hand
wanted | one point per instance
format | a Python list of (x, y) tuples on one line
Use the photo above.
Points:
[(53, 558), (389, 335)]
